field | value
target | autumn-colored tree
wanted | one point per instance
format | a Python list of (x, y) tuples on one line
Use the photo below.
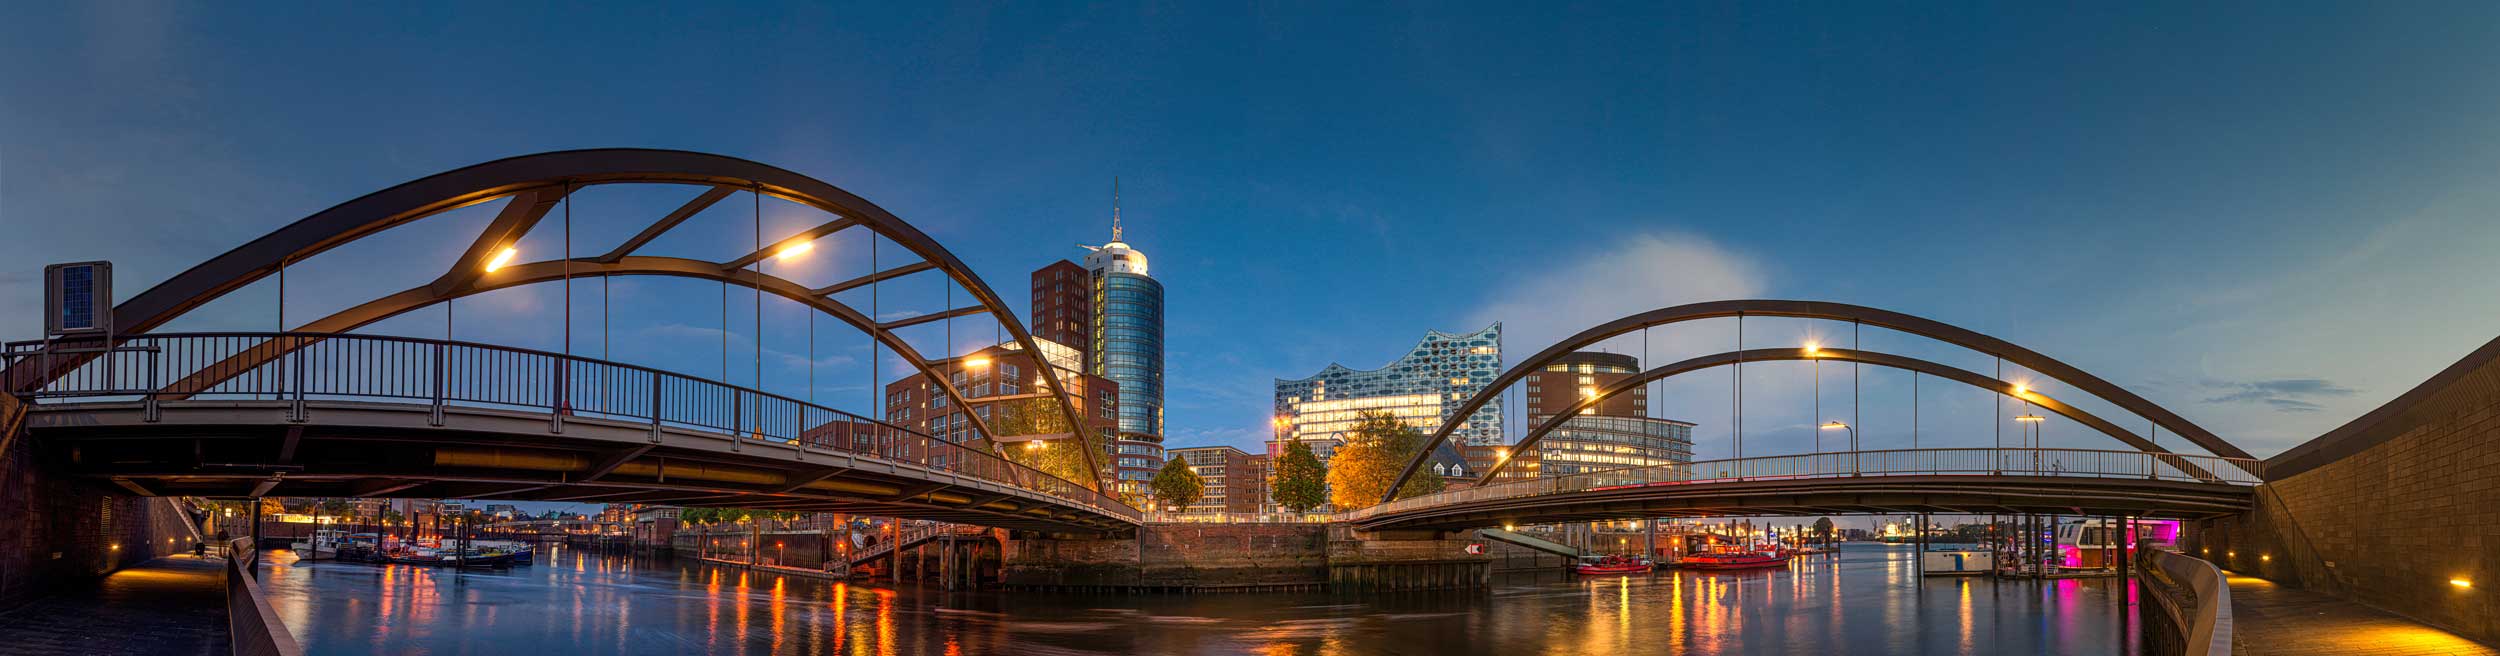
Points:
[(1177, 485), (1301, 481), (1375, 450)]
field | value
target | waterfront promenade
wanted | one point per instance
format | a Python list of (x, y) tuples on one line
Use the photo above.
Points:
[(174, 605), (2269, 619)]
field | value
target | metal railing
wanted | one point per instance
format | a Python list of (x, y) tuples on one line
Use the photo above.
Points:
[(294, 367), (252, 628), (2078, 463)]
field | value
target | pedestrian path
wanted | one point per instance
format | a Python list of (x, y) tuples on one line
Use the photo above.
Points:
[(2268, 619), (170, 605)]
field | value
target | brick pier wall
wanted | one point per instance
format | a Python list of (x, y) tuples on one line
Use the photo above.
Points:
[(1190, 556), (2386, 510), (55, 531)]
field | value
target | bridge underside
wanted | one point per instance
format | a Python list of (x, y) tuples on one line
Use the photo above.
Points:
[(1899, 494), (249, 448)]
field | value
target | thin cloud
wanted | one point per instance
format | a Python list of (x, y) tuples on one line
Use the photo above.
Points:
[(2282, 394)]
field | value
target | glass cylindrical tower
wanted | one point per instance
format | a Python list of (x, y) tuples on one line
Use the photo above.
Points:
[(1127, 348)]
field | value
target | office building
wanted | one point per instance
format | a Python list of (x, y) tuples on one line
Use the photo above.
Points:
[(1235, 481), (1615, 433), (1112, 311)]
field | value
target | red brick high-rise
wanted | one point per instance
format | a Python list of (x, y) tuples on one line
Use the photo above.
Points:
[(1063, 308)]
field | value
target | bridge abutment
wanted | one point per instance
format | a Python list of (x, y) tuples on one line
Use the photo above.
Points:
[(61, 530)]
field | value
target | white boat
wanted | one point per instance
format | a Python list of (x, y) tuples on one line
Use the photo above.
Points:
[(324, 543)]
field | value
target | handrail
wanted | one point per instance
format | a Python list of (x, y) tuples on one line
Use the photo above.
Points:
[(445, 373), (252, 627), (2078, 463), (2194, 595)]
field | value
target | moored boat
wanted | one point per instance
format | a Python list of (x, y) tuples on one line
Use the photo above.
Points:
[(1614, 565), (1738, 559)]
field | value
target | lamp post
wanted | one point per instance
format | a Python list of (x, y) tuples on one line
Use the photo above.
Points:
[(1853, 442), (2031, 437)]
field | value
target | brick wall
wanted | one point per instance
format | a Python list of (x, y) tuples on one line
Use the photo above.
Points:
[(2388, 509), (1176, 556), (56, 530)]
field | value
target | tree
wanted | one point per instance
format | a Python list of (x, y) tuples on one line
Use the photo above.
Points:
[(1375, 451), (1301, 482), (1823, 528), (1059, 457), (1178, 485)]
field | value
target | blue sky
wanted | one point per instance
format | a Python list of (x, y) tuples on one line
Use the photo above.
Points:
[(2268, 217)]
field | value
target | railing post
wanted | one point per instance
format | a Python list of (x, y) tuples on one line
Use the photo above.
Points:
[(737, 417), (149, 412), (563, 400), (295, 410), (442, 369), (655, 407)]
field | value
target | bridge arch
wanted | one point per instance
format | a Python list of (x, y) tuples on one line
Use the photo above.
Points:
[(534, 184), (1954, 374), (1858, 314)]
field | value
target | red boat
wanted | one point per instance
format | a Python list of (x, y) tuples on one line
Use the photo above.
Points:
[(1613, 565), (1772, 557)]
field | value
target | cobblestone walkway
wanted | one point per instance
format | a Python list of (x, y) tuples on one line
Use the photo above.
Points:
[(171, 605), (2271, 620)]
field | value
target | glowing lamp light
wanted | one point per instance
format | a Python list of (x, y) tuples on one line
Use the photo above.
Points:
[(502, 257), (794, 250), (1814, 348), (2031, 418), (2462, 583), (977, 361), (1835, 426), (2021, 389)]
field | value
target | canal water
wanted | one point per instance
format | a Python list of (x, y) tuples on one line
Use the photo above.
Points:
[(1864, 600)]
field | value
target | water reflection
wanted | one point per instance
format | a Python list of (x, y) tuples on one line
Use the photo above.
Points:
[(1863, 601)]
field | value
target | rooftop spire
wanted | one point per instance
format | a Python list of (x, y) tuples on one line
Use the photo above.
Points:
[(1115, 208)]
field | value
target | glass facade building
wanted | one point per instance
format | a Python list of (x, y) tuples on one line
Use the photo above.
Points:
[(1421, 388), (1126, 347)]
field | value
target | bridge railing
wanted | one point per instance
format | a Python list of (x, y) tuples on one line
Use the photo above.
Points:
[(2079, 463), (294, 367)]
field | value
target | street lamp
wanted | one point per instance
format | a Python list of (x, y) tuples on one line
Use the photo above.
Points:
[(2031, 436), (1853, 442)]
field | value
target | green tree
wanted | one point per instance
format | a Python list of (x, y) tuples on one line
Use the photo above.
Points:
[(1178, 485), (1301, 482), (1823, 529), (1059, 457), (1375, 451)]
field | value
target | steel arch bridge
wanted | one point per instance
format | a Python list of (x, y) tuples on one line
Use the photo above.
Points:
[(466, 420), (2151, 480)]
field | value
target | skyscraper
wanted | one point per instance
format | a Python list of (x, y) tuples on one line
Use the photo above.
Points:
[(1113, 310)]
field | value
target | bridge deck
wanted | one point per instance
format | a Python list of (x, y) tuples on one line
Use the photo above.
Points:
[(167, 606), (2268, 619)]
